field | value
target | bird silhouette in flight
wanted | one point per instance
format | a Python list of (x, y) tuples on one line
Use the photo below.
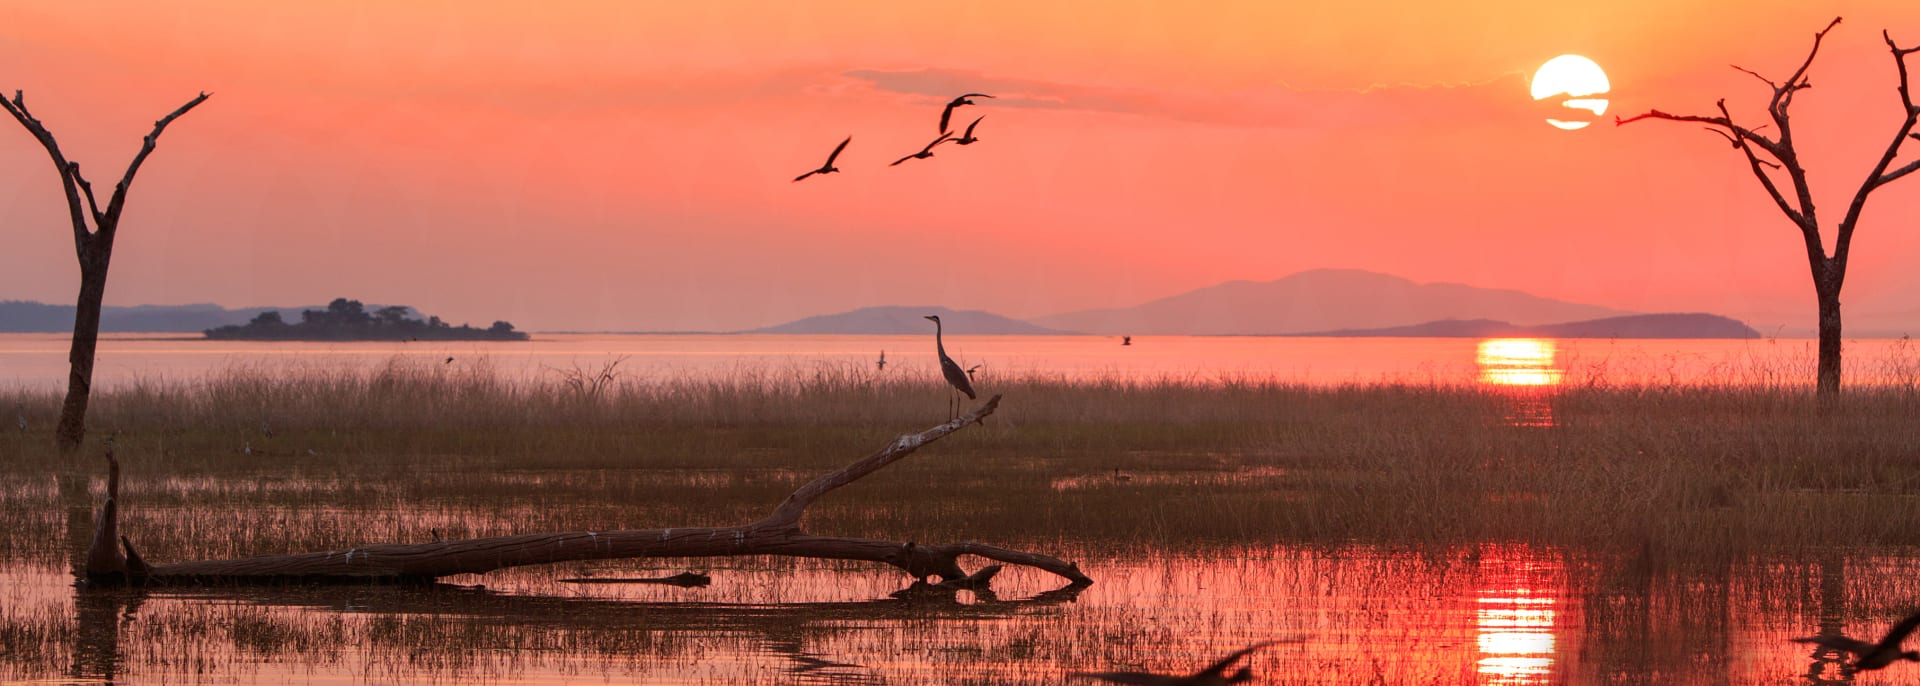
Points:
[(1872, 656), (947, 113), (967, 137), (882, 364), (828, 168), (950, 369), (925, 152), (1214, 675)]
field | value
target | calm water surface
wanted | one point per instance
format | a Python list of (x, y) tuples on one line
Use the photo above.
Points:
[(39, 360), (1491, 614), (1486, 613)]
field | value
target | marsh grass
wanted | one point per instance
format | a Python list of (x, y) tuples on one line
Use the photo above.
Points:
[(256, 460)]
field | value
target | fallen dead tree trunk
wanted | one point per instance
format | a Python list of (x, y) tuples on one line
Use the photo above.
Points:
[(777, 534)]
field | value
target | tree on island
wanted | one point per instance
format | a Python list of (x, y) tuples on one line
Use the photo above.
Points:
[(94, 247), (348, 320), (1779, 155)]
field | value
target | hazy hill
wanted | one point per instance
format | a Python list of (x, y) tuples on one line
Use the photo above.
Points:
[(907, 320), (1322, 300), (1677, 325), (26, 316), (22, 316)]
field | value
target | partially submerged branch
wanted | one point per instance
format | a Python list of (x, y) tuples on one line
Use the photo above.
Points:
[(777, 534)]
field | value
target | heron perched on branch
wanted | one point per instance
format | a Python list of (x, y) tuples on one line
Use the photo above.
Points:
[(956, 377)]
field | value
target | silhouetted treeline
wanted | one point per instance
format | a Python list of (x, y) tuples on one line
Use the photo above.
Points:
[(349, 320)]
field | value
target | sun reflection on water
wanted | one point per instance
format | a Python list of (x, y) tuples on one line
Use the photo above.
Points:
[(1516, 620), (1517, 362)]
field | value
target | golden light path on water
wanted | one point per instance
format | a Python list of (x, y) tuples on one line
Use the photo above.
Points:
[(1518, 362)]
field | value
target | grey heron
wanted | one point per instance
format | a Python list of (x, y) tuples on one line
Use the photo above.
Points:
[(950, 369)]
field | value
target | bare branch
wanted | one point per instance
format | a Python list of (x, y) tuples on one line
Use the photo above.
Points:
[(1879, 176), (788, 513), (1802, 217), (1724, 122), (77, 214), (86, 188), (1895, 175), (1755, 74), (1783, 95), (146, 148)]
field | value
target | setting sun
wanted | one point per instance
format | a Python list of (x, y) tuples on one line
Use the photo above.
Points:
[(1576, 79)]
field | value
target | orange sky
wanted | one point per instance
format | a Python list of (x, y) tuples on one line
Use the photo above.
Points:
[(626, 165)]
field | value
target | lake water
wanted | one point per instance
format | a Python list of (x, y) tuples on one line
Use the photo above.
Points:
[(1493, 614), (1489, 612), (39, 360)]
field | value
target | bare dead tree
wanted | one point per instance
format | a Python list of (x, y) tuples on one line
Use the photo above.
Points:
[(1769, 158), (778, 533), (94, 247)]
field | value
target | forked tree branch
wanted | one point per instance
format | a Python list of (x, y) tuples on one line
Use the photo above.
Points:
[(105, 222)]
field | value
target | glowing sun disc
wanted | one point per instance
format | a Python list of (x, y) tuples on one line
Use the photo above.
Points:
[(1576, 82)]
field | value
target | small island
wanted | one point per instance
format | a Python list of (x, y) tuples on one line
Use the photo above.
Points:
[(348, 320)]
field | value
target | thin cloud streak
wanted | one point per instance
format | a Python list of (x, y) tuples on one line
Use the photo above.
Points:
[(1275, 107)]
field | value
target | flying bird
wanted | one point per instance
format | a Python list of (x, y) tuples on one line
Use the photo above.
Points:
[(1872, 656), (1214, 675), (947, 113), (925, 152), (828, 168), (967, 137), (950, 369), (882, 364)]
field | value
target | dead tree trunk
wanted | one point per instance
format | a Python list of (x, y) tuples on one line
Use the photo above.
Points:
[(1779, 156), (779, 533), (94, 247)]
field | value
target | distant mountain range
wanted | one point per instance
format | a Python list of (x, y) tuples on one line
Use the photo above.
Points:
[(23, 316), (888, 321), (1326, 302), (1687, 325), (1322, 300)]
